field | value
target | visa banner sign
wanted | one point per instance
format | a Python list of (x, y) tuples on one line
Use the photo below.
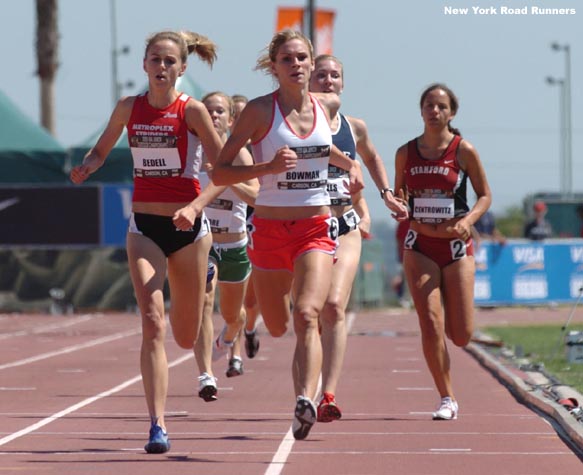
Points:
[(116, 207), (527, 272)]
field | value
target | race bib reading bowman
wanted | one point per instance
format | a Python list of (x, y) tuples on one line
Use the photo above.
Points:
[(308, 174)]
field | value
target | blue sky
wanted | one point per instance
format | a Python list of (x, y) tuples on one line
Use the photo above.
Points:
[(496, 64)]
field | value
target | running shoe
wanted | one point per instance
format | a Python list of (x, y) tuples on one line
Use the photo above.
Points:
[(158, 442), (207, 387), (251, 343), (210, 272), (447, 410), (235, 367), (328, 410), (220, 346), (304, 417)]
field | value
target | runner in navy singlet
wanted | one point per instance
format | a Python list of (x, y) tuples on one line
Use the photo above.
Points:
[(350, 135)]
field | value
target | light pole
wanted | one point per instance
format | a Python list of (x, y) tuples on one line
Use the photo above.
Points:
[(311, 11), (566, 48), (552, 81), (116, 86)]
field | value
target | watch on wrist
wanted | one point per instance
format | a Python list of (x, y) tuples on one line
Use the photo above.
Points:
[(384, 190)]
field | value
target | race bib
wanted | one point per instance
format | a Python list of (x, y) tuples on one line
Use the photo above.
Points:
[(156, 159), (433, 209)]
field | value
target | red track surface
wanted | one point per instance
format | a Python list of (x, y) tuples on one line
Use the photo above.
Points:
[(71, 403)]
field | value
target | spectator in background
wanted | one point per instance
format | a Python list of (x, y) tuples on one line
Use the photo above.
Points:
[(486, 229), (538, 228)]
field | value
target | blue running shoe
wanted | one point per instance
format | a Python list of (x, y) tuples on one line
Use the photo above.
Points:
[(158, 443)]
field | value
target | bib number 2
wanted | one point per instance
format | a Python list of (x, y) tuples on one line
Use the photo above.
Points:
[(458, 249)]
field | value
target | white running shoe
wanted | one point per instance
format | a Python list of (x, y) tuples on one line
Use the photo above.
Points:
[(447, 410), (207, 387), (221, 347), (304, 417), (235, 367)]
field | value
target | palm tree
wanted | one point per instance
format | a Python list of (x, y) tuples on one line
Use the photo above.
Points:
[(47, 45)]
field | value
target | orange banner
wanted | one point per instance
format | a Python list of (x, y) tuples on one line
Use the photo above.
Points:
[(290, 18), (324, 31), (293, 18)]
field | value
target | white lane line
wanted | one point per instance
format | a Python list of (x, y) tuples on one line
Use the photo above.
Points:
[(280, 458), (450, 450), (85, 402), (274, 432), (415, 389), (46, 328), (71, 349), (406, 371), (140, 451), (4, 388)]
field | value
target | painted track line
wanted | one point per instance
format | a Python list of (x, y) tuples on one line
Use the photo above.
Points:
[(280, 458), (459, 453), (71, 349), (46, 328), (85, 402)]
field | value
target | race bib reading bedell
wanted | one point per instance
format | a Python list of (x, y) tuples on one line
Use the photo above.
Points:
[(156, 162)]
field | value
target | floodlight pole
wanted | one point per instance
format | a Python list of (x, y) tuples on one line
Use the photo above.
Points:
[(113, 26), (566, 48), (311, 12), (116, 86), (563, 169)]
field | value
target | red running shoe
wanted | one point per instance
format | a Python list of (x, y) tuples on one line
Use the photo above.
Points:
[(328, 410)]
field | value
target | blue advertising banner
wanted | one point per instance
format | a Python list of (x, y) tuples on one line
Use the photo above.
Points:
[(116, 207), (523, 272)]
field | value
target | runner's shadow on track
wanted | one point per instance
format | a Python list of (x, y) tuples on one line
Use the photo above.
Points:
[(88, 395), (186, 458), (245, 419), (209, 418), (380, 419), (117, 461), (226, 437)]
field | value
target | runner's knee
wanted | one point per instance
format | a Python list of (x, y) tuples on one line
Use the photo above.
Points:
[(153, 325), (275, 326), (460, 338), (332, 312), (305, 317)]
